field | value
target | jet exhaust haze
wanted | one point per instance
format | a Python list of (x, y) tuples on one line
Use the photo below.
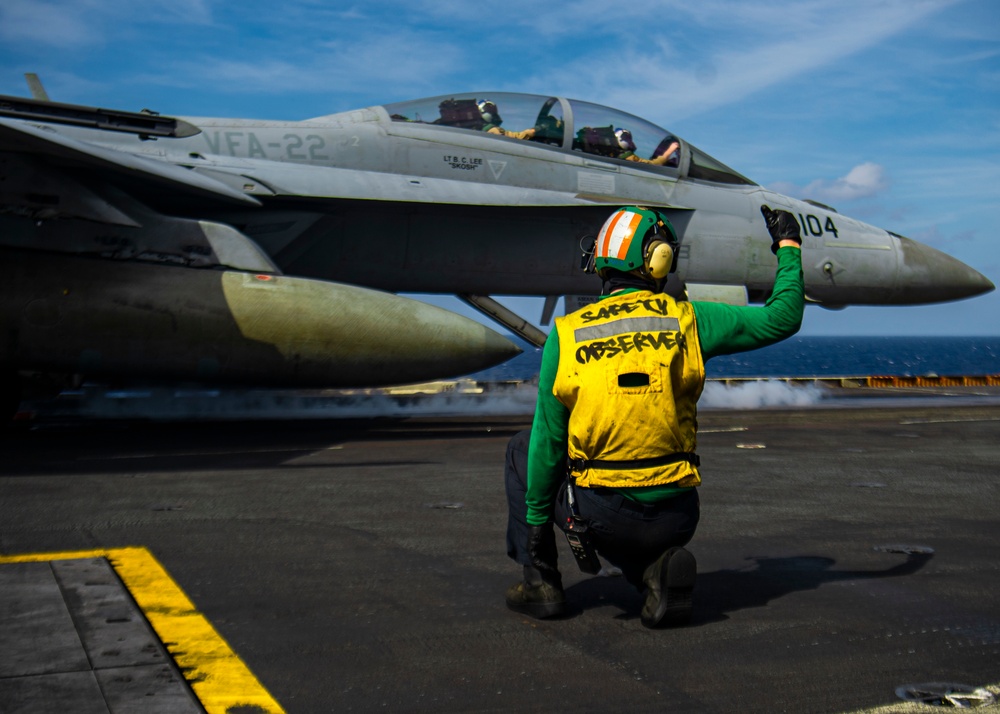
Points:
[(463, 400)]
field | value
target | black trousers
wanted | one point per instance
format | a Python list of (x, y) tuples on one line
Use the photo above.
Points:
[(627, 534)]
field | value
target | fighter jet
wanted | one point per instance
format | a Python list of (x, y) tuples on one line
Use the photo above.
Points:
[(272, 252)]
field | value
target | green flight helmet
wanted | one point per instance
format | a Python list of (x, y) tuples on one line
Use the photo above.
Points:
[(636, 240)]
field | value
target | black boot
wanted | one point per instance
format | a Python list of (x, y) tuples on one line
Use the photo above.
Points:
[(538, 595), (669, 583)]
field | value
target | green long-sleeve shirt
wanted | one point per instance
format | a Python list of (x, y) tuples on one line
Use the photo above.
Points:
[(722, 329)]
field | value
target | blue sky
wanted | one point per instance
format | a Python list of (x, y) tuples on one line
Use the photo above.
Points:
[(888, 110)]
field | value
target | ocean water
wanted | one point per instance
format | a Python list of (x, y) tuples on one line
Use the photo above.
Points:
[(825, 357), (864, 356)]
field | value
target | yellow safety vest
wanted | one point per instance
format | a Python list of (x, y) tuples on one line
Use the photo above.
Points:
[(630, 373)]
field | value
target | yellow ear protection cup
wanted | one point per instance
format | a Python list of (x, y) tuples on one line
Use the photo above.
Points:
[(659, 259), (636, 240), (661, 251)]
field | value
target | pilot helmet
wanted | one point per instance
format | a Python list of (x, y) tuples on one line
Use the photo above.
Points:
[(636, 240), (624, 137), (490, 113)]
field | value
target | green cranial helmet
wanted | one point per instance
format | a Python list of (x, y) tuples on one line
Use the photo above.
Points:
[(636, 239)]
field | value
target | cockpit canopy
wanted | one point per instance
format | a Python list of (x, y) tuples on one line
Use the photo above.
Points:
[(569, 125)]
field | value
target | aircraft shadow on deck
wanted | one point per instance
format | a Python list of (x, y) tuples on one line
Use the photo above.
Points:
[(82, 446)]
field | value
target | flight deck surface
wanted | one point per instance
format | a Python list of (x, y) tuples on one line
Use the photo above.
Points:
[(359, 565)]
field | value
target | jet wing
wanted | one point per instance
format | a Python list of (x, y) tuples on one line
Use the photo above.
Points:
[(38, 141)]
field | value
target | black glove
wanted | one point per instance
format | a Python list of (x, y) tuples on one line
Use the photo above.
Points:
[(782, 226), (542, 551)]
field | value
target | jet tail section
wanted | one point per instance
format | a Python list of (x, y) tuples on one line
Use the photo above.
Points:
[(35, 85)]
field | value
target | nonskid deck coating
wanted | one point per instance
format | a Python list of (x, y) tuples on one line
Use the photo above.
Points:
[(359, 566)]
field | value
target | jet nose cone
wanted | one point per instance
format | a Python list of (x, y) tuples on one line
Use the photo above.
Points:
[(928, 275)]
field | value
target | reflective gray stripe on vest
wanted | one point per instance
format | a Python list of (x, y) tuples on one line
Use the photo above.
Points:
[(626, 326)]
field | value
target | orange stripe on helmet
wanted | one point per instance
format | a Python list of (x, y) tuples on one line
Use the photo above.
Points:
[(627, 240), (608, 229)]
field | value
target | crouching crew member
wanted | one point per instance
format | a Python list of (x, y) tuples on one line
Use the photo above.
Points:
[(611, 456)]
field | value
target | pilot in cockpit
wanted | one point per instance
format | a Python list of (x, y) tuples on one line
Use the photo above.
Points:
[(491, 117), (627, 146)]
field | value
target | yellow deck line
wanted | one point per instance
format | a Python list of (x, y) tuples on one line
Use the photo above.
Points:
[(215, 673)]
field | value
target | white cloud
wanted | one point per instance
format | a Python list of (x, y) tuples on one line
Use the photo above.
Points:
[(746, 47), (78, 23), (29, 22), (423, 47), (749, 48), (403, 65), (863, 181), (264, 76)]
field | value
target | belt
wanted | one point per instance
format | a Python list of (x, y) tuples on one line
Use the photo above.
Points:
[(584, 464), (616, 500)]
